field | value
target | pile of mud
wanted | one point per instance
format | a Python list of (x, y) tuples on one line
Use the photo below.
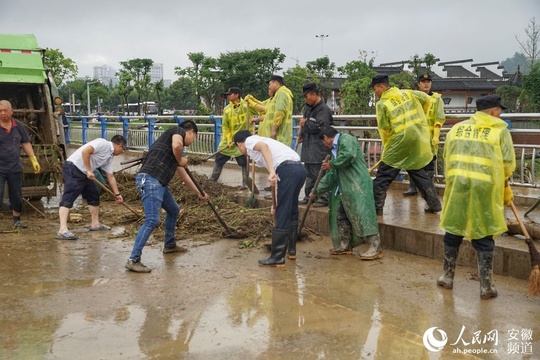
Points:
[(196, 217)]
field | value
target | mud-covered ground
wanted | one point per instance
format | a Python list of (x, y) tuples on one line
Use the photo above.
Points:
[(75, 300)]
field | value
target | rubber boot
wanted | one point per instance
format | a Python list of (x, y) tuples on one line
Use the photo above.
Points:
[(374, 251), (434, 204), (216, 172), (280, 240), (292, 241), (345, 234), (446, 280), (411, 191), (380, 198), (485, 269)]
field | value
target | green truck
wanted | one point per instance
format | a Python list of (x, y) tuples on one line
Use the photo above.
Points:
[(25, 82)]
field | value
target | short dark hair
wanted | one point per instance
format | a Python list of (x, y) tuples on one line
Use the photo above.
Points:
[(189, 125), (119, 140), (328, 131), (241, 136)]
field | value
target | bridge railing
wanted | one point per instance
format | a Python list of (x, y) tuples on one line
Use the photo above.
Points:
[(142, 131)]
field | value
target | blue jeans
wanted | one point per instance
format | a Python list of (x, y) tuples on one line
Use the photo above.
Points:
[(154, 196)]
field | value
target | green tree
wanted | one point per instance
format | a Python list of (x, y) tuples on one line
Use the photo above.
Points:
[(205, 77), (355, 95), (124, 88), (530, 96), (326, 70), (181, 95), (159, 90), (509, 96), (403, 80), (295, 78), (531, 46), (249, 70), (139, 69), (61, 68), (114, 100), (422, 64)]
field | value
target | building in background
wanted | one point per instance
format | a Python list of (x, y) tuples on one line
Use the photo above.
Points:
[(106, 74), (156, 72)]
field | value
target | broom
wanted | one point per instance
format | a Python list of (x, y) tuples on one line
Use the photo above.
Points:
[(251, 202), (534, 278)]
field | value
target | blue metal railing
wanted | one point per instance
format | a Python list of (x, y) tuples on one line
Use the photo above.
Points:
[(141, 135)]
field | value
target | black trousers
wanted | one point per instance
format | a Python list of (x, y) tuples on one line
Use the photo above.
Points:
[(386, 174), (312, 171), (14, 182)]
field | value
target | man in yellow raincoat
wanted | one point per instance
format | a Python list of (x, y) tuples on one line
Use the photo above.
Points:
[(434, 110), (277, 122), (352, 218), (236, 117), (406, 140), (479, 158)]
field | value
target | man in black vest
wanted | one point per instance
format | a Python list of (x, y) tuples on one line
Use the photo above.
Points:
[(164, 159)]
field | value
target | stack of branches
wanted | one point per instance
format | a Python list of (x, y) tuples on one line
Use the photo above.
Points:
[(195, 216)]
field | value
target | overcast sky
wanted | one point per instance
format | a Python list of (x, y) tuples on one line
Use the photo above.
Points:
[(98, 32)]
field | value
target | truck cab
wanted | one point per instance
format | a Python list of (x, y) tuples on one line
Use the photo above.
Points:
[(25, 83)]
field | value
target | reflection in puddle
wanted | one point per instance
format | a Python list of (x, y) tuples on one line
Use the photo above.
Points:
[(370, 346), (117, 336)]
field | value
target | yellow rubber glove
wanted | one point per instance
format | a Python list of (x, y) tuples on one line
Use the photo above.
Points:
[(508, 195), (253, 103), (35, 164), (436, 135)]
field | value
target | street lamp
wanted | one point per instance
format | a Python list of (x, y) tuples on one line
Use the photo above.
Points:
[(322, 37), (88, 93)]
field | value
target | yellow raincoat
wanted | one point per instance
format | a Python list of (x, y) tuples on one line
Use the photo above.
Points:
[(235, 118), (403, 129), (479, 157), (279, 113), (434, 110)]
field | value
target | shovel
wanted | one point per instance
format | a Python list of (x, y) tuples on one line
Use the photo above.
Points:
[(310, 201), (252, 202), (122, 203), (229, 232), (534, 277)]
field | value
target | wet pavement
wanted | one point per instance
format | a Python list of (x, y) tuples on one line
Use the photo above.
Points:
[(75, 300)]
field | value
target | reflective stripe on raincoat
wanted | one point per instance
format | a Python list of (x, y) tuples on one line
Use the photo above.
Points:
[(479, 157), (403, 129), (434, 110), (234, 119), (279, 113), (349, 182)]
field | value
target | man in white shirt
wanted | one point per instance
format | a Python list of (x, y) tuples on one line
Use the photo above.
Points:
[(78, 173), (289, 174)]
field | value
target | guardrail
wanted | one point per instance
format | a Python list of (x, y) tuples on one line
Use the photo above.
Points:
[(141, 135)]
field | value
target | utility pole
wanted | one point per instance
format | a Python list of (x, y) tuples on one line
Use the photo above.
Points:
[(322, 37), (88, 93)]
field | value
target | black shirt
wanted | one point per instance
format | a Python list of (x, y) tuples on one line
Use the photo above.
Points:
[(10, 145), (160, 162), (318, 116)]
